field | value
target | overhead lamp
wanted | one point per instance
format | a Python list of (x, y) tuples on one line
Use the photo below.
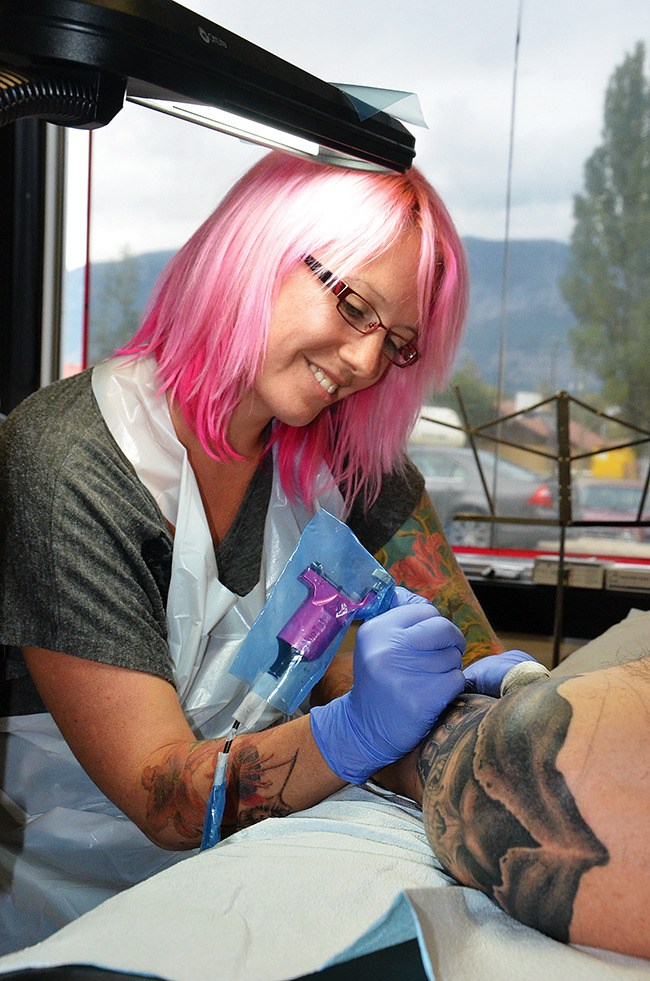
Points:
[(252, 132), (75, 63)]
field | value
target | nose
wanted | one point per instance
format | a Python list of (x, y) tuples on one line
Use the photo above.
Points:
[(363, 354)]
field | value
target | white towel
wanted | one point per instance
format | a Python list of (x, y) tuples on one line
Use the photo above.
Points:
[(288, 896), (463, 936), (275, 901)]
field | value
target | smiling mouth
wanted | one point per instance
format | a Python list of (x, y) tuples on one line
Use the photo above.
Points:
[(323, 380)]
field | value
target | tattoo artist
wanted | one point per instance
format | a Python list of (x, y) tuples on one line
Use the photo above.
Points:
[(149, 504)]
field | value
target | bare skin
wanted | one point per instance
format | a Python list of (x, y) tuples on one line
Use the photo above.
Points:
[(542, 800)]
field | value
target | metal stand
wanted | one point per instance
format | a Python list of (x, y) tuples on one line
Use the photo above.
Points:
[(562, 459)]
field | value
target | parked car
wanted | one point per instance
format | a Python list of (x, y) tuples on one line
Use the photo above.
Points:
[(604, 499), (454, 485)]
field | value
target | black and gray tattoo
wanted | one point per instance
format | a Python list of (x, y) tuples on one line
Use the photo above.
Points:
[(498, 812), (260, 784)]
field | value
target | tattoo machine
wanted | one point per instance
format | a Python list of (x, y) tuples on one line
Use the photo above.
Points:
[(294, 639)]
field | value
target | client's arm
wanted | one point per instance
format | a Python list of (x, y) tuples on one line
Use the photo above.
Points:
[(542, 800)]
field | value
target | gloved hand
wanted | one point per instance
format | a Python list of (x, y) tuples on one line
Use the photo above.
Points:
[(404, 597), (407, 669), (486, 676)]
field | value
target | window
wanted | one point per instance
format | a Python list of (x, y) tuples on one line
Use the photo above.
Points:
[(509, 179)]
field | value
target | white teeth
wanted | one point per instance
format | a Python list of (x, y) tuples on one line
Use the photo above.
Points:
[(322, 379)]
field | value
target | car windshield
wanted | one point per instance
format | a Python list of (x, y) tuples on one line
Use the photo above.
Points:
[(506, 468), (436, 462), (611, 497)]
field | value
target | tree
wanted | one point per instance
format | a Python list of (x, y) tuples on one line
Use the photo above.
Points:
[(478, 397), (607, 282), (116, 314)]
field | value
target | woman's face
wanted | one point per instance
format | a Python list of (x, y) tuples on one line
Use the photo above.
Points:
[(314, 357)]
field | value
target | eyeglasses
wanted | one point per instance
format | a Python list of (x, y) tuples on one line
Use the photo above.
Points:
[(358, 313)]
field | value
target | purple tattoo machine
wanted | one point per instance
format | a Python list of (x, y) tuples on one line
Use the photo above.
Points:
[(295, 637), (314, 630)]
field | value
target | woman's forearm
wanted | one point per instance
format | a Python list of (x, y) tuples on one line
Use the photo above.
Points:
[(270, 774), (129, 733)]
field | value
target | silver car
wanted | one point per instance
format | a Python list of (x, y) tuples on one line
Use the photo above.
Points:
[(605, 499), (454, 485)]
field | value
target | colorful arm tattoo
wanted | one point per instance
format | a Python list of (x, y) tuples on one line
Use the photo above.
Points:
[(172, 795), (499, 814), (419, 557), (256, 785)]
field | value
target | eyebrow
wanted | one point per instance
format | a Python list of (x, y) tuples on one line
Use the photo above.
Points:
[(363, 284), (382, 299)]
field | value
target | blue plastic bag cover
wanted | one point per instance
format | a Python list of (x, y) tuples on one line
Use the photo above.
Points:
[(329, 581)]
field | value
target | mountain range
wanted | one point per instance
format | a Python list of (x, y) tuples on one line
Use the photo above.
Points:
[(534, 328)]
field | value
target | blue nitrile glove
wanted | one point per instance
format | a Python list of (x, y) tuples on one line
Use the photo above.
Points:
[(407, 669), (404, 597), (486, 675)]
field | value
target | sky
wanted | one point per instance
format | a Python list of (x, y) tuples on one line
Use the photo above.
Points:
[(156, 178)]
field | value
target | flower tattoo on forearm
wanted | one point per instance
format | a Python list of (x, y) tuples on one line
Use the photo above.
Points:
[(256, 785), (172, 795), (419, 557)]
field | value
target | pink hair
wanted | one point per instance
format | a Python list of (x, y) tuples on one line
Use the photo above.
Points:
[(208, 320)]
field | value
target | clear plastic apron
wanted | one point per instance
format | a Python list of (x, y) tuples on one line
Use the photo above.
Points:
[(71, 848)]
